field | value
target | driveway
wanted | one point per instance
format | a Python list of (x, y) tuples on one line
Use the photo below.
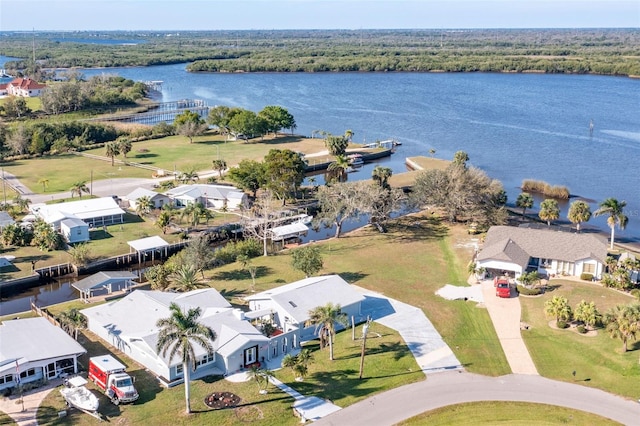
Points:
[(505, 315), (454, 387), (32, 400)]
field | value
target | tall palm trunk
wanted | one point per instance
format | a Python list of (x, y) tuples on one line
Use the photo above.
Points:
[(613, 232), (330, 347), (187, 390)]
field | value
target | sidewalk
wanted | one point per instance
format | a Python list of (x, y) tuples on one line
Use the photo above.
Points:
[(32, 399)]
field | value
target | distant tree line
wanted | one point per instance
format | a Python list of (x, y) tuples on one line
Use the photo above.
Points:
[(601, 51)]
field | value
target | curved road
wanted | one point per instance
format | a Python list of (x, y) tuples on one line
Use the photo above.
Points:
[(442, 389)]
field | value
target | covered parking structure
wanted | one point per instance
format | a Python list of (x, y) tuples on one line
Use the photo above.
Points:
[(150, 245), (104, 282)]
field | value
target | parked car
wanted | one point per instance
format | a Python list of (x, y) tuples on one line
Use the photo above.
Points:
[(503, 289)]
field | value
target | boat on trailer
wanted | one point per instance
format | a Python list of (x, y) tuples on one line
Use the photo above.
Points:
[(78, 396)]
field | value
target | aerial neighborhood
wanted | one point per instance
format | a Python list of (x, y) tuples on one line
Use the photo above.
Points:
[(163, 260)]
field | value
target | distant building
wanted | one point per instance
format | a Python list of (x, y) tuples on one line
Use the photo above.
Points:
[(216, 196), (95, 212), (157, 199), (24, 87)]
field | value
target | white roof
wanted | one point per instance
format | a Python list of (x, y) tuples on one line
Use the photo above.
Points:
[(287, 230), (298, 298), (141, 192), (214, 192), (149, 243), (34, 339), (82, 209), (134, 317)]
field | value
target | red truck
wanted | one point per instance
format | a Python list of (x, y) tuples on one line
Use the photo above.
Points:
[(503, 288), (111, 376)]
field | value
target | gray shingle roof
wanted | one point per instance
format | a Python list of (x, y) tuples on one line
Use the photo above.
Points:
[(541, 243)]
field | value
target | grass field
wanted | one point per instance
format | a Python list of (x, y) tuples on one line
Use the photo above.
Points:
[(597, 361), (506, 413)]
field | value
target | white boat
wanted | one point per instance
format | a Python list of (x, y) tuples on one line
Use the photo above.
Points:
[(78, 396)]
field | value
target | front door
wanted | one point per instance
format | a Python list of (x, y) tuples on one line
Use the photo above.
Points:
[(250, 355)]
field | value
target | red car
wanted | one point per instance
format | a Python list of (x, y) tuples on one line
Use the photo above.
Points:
[(503, 288)]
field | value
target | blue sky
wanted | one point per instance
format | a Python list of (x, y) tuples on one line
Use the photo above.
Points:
[(313, 14)]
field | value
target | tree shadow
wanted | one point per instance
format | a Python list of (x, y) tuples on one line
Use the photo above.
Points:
[(241, 274), (351, 277), (336, 385), (417, 228), (230, 294), (398, 349)]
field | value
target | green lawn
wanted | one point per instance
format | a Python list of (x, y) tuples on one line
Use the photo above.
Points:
[(101, 245), (506, 413), (597, 361), (417, 256)]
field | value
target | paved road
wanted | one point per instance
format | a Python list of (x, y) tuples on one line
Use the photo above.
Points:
[(442, 389)]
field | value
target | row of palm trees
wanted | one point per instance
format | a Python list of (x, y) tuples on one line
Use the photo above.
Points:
[(579, 212), (621, 322)]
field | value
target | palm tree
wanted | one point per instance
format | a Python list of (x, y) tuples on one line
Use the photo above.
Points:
[(579, 212), (261, 376), (432, 152), (220, 166), (78, 188), (163, 221), (559, 308), (338, 168), (349, 135), (71, 321), (185, 278), (124, 146), (524, 201), (144, 205), (623, 322), (381, 176), (587, 313), (177, 335), (44, 182), (549, 210), (189, 176), (196, 211), (112, 150), (325, 319), (615, 210), (289, 361)]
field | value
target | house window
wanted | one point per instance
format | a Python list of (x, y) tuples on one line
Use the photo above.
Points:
[(179, 370), (205, 360), (28, 373), (251, 355), (589, 268), (294, 341), (284, 345), (545, 263), (6, 379)]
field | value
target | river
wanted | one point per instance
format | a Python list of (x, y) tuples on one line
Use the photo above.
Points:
[(514, 126)]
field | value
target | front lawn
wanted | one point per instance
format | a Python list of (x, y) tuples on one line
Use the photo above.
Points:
[(597, 361)]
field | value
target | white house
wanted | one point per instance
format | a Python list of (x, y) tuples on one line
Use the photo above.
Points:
[(215, 196), (289, 305), (74, 230), (95, 212), (157, 199), (35, 350), (24, 87), (129, 324), (517, 250)]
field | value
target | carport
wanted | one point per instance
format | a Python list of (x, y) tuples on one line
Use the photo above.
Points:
[(147, 245), (105, 280)]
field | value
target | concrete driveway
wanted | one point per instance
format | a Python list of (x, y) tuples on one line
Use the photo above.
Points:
[(505, 315)]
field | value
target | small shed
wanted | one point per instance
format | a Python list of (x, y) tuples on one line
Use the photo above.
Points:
[(74, 230), (149, 245), (104, 282)]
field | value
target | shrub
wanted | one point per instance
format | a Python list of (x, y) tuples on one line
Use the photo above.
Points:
[(529, 291), (581, 329), (585, 276), (542, 187), (562, 324)]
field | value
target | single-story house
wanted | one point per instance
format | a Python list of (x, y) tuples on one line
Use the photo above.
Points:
[(5, 220), (215, 196), (33, 350), (95, 212), (104, 282), (517, 250), (289, 305), (129, 324), (157, 199), (24, 87), (74, 230)]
